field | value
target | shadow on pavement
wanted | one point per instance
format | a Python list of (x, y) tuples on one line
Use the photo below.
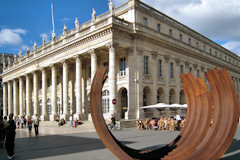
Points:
[(54, 145), (235, 146)]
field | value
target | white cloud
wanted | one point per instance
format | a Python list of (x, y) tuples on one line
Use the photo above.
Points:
[(65, 20), (11, 36), (233, 46), (45, 36)]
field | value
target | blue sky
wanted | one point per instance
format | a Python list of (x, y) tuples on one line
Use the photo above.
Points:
[(24, 21)]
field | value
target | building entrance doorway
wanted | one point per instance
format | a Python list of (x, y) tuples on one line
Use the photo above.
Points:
[(124, 102)]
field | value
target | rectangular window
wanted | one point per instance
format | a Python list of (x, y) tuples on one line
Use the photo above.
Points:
[(210, 50), (171, 70), (145, 21), (189, 41), (122, 66), (105, 64), (145, 64), (181, 69), (170, 32), (160, 68), (204, 48), (198, 74), (197, 45), (158, 27), (180, 37), (190, 69)]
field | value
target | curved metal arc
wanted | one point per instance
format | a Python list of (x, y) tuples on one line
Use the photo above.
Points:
[(205, 145)]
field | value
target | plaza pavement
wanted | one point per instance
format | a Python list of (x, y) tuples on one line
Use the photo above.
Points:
[(82, 143)]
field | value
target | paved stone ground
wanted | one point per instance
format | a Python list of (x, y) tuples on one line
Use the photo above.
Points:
[(63, 143)]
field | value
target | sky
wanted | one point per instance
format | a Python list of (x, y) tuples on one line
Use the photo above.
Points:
[(24, 21)]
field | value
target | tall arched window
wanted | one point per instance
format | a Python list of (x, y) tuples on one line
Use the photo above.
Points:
[(49, 106), (105, 101)]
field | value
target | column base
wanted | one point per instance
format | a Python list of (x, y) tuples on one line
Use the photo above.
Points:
[(44, 118), (130, 115), (65, 117), (53, 117)]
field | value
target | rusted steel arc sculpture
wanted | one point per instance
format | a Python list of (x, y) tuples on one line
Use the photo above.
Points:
[(198, 139)]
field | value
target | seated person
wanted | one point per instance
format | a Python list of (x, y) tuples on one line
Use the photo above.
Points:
[(80, 122), (62, 122)]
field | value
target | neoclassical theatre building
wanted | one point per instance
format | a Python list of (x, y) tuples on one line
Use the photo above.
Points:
[(144, 50)]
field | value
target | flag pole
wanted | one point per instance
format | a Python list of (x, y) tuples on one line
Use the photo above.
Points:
[(52, 18)]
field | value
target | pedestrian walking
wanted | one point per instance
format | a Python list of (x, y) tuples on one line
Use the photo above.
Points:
[(1, 131), (29, 124), (4, 124), (22, 121), (10, 137), (71, 121), (36, 124), (18, 121), (113, 123)]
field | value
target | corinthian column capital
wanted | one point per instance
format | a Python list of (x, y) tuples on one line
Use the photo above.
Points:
[(91, 51), (112, 45)]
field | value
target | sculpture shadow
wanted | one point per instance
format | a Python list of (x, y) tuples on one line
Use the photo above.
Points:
[(235, 146), (54, 145)]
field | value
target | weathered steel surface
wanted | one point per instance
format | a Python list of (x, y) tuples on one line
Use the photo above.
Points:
[(199, 139)]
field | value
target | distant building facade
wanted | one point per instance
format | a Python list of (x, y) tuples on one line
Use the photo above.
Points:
[(144, 50), (4, 59)]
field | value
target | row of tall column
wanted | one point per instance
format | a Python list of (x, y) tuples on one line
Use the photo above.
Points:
[(18, 100), (14, 102)]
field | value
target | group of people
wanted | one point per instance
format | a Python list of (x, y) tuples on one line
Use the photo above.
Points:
[(73, 123), (33, 122), (8, 130), (161, 123)]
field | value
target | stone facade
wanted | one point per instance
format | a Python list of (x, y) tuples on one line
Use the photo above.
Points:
[(4, 59), (144, 50)]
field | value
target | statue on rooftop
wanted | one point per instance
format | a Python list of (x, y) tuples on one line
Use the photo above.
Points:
[(93, 15), (53, 36), (20, 53), (76, 23), (35, 46), (28, 50), (43, 41), (64, 30), (111, 7), (9, 61)]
